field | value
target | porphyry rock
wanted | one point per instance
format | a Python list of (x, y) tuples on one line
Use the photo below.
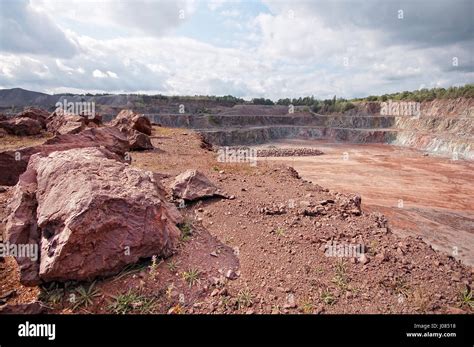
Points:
[(14, 162), (192, 185), (21, 126), (127, 120), (114, 215)]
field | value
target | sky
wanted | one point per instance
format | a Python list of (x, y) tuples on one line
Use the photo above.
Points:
[(249, 49)]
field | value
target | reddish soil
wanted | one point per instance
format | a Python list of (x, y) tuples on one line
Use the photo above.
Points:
[(436, 192), (246, 261)]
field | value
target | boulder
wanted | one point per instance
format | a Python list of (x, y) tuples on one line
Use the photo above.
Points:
[(193, 185), (139, 141), (14, 162), (113, 215), (60, 122), (21, 126), (127, 120), (34, 307), (35, 113)]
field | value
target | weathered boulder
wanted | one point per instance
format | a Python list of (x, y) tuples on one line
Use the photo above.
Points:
[(14, 162), (113, 215), (192, 185), (139, 141), (21, 126), (35, 113), (127, 119), (60, 122)]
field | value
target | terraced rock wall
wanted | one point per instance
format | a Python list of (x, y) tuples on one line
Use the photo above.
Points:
[(444, 127)]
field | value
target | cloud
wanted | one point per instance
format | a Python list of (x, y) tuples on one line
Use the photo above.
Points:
[(23, 29), (290, 49)]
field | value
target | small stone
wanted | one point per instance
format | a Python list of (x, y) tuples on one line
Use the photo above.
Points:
[(215, 292), (363, 259), (213, 254), (231, 274)]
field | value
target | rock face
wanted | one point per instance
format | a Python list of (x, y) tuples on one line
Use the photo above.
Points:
[(113, 216), (127, 120), (193, 185), (14, 163), (35, 113), (139, 141), (60, 123), (21, 126)]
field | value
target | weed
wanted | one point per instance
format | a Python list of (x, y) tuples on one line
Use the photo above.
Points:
[(51, 294), (327, 297), (466, 298), (191, 276), (340, 279), (131, 302), (307, 306), (154, 267), (186, 231), (280, 231), (244, 298), (172, 265), (85, 296)]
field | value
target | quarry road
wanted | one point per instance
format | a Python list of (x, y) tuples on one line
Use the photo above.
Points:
[(427, 196)]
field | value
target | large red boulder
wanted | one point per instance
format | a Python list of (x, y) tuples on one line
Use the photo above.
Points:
[(35, 113), (21, 126), (61, 122), (14, 162), (127, 120), (113, 215), (192, 185)]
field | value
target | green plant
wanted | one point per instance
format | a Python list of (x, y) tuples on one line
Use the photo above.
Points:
[(172, 265), (85, 296), (186, 231), (466, 298), (244, 298), (340, 278), (307, 306), (51, 294), (191, 276), (400, 286), (131, 269), (154, 267), (131, 302), (327, 297), (280, 231)]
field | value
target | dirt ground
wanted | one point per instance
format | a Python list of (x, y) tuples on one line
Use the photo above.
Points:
[(261, 251), (421, 195)]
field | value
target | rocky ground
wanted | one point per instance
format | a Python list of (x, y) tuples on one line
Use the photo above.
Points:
[(264, 249)]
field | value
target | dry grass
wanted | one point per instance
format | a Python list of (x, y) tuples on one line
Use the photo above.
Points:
[(10, 142)]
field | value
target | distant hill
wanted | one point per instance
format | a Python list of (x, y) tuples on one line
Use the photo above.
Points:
[(14, 100)]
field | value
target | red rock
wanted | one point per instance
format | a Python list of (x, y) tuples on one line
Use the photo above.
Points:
[(14, 163), (21, 126), (60, 122), (34, 307), (127, 120), (139, 141), (192, 185), (113, 215), (35, 113)]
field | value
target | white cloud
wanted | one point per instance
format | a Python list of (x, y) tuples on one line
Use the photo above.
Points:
[(133, 48)]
